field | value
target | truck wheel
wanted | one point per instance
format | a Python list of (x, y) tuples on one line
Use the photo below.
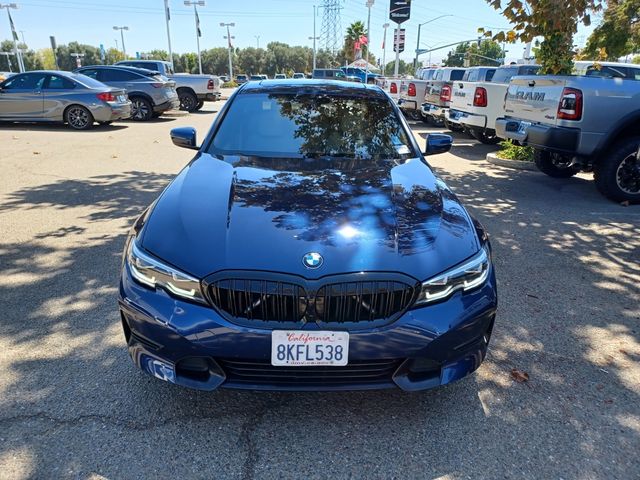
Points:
[(484, 136), (555, 164), (425, 118), (188, 101), (617, 174), (200, 105)]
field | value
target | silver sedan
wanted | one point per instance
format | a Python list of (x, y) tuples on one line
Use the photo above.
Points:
[(54, 96)]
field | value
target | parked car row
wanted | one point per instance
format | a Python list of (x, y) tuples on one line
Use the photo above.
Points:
[(98, 93), (587, 122)]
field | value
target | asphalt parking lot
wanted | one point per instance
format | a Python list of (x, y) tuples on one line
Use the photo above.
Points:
[(72, 404)]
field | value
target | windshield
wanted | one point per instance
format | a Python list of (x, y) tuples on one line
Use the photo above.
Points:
[(285, 125)]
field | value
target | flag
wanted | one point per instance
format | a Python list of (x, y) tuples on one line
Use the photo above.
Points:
[(13, 27), (166, 6), (363, 39), (198, 24)]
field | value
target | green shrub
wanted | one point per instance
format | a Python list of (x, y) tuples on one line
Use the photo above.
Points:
[(509, 151), (230, 84)]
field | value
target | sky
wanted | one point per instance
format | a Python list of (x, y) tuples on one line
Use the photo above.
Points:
[(289, 21)]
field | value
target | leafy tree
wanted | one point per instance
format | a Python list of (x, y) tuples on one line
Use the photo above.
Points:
[(556, 21), (216, 61), (455, 58), (354, 32), (619, 32), (253, 61), (325, 59), (404, 68), (636, 60)]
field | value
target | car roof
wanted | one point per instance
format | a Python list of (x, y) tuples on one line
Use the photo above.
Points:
[(292, 85), (141, 71)]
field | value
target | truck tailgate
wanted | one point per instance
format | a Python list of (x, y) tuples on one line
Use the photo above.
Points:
[(462, 95), (534, 98)]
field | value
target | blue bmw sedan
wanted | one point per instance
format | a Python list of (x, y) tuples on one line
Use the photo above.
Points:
[(308, 246)]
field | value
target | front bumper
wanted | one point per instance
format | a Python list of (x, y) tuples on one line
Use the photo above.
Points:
[(472, 120), (546, 137), (435, 111), (193, 346)]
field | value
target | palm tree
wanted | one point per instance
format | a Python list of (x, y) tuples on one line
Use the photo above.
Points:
[(354, 32)]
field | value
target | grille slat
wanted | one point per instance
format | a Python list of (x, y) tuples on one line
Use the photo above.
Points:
[(262, 372), (289, 302)]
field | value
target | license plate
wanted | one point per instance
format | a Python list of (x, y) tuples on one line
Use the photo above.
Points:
[(294, 348), (523, 127), (456, 115)]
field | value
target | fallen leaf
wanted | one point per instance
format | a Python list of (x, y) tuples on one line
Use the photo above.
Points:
[(114, 156), (156, 141), (519, 376), (608, 401), (36, 153)]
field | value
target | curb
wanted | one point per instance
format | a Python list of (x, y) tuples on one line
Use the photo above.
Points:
[(516, 164)]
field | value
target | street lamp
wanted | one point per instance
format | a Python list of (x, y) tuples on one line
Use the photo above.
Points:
[(229, 38), (415, 62), (366, 73), (314, 50), (13, 32), (124, 50), (195, 4), (78, 57), (384, 49)]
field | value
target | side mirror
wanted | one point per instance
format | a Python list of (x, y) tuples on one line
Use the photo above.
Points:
[(438, 143), (184, 137)]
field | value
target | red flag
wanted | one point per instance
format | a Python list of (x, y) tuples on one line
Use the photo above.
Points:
[(363, 40)]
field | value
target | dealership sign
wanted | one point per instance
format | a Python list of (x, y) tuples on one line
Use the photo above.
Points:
[(400, 10)]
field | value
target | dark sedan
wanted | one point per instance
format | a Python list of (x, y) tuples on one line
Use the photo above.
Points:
[(308, 246), (53, 96)]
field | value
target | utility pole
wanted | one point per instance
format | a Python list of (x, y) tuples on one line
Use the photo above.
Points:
[(396, 43), (369, 5), (257, 37), (122, 29), (200, 3), (167, 16), (314, 50), (415, 61), (18, 54), (78, 57), (384, 49), (229, 38)]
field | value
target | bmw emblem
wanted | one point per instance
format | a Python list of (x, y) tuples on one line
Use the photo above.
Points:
[(312, 260)]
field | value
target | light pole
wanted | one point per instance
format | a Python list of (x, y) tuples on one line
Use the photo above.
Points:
[(384, 49), (9, 6), (415, 62), (257, 37), (122, 29), (314, 50), (167, 16), (366, 73), (195, 4), (7, 55), (229, 38)]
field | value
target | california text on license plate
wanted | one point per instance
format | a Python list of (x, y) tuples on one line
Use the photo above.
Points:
[(295, 348)]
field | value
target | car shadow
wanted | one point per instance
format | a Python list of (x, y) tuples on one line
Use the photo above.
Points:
[(59, 127)]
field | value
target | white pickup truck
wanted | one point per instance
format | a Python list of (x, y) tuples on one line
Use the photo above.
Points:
[(475, 106), (412, 93), (580, 123), (193, 90)]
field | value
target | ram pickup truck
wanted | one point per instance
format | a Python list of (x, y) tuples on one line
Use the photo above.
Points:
[(476, 105), (193, 90), (411, 93), (579, 123), (438, 94)]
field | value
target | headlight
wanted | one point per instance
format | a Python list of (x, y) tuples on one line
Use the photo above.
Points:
[(151, 272), (467, 276)]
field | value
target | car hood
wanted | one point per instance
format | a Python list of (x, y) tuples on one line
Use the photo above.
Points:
[(248, 213)]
